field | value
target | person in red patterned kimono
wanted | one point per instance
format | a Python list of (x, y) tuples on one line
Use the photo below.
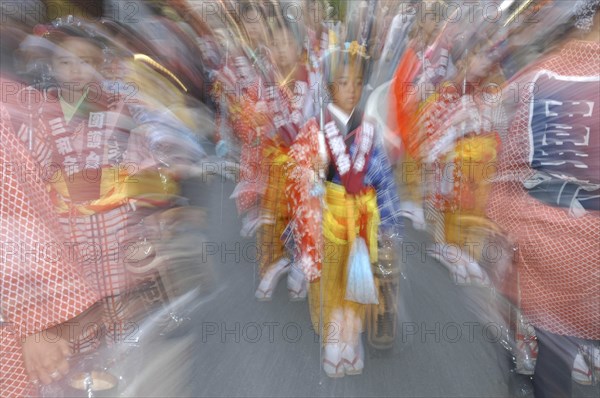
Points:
[(242, 110), (547, 199), (460, 139), (291, 106), (103, 177), (41, 289)]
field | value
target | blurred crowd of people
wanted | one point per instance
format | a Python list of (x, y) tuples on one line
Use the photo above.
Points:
[(340, 121)]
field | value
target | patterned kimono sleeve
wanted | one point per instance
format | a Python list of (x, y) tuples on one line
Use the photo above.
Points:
[(381, 177), (24, 117), (500, 121), (304, 201), (41, 286)]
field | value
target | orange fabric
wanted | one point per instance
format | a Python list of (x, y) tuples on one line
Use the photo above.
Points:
[(274, 205), (406, 102)]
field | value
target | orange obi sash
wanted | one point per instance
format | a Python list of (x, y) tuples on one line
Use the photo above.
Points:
[(149, 188)]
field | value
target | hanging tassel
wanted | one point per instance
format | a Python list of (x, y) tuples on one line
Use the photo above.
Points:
[(360, 287)]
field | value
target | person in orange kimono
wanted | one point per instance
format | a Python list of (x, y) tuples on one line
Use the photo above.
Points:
[(425, 63)]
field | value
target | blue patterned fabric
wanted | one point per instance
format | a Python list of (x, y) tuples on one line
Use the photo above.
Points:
[(380, 176)]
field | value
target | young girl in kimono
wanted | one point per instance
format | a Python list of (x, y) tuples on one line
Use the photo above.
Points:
[(291, 105), (360, 200), (463, 126), (242, 112)]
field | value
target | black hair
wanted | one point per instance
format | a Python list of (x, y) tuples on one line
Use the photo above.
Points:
[(64, 32), (339, 59), (241, 18), (283, 22)]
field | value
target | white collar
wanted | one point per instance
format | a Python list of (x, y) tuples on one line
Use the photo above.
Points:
[(339, 114)]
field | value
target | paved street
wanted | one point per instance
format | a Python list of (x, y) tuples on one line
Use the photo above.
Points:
[(447, 345), (258, 349)]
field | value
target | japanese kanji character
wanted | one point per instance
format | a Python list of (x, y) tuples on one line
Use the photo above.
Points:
[(63, 145), (94, 139)]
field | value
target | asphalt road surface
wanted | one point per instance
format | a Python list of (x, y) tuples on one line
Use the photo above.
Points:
[(246, 348), (448, 343)]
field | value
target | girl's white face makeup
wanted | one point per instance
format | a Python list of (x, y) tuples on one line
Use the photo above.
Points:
[(75, 64), (347, 88)]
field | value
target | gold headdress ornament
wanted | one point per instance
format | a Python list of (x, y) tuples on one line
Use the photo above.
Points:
[(356, 49), (333, 39), (337, 57)]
